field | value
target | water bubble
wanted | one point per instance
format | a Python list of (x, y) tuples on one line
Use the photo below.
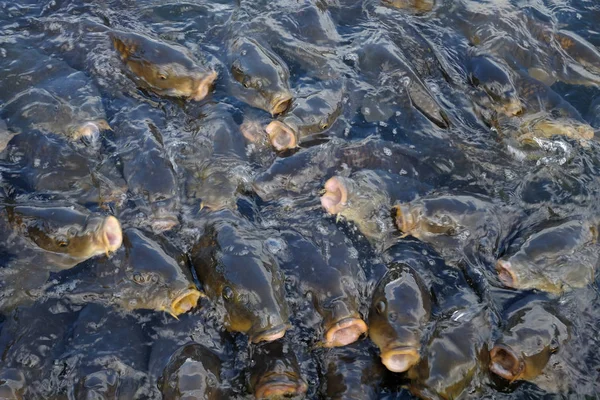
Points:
[(394, 131), (402, 172), (405, 81), (387, 151)]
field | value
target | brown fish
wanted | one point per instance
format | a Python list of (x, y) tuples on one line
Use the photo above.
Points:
[(165, 69)]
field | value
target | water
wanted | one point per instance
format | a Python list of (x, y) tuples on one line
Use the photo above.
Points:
[(408, 106)]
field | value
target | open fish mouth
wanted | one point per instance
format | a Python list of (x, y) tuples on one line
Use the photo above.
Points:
[(112, 236), (506, 363), (506, 273), (185, 302), (335, 198), (404, 219), (400, 359), (281, 136), (277, 385), (269, 335), (280, 103), (204, 86), (345, 332)]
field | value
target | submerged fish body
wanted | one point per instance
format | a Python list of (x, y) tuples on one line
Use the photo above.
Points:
[(455, 355), (331, 284), (144, 275), (68, 236), (262, 76), (532, 333), (365, 198), (163, 68), (400, 311), (40, 92), (352, 373), (193, 371), (308, 115), (555, 259), (239, 275), (275, 373)]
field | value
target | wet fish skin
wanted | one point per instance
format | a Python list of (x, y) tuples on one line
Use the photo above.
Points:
[(193, 372), (262, 75), (309, 114), (274, 371), (239, 275), (400, 310), (495, 80), (416, 5), (453, 358), (457, 224), (352, 372), (165, 69), (365, 198), (330, 285), (41, 92), (73, 235), (532, 333), (555, 259), (146, 274)]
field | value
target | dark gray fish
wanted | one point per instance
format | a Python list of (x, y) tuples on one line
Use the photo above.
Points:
[(351, 373), (274, 371), (262, 77), (239, 275)]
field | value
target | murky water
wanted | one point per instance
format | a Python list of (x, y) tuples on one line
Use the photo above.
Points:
[(286, 175)]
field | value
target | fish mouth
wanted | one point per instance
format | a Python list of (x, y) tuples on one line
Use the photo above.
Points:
[(513, 107), (185, 302), (204, 86), (400, 359), (281, 136), (335, 198), (345, 332), (506, 273), (280, 103), (404, 219), (506, 363), (276, 385), (112, 236), (270, 335)]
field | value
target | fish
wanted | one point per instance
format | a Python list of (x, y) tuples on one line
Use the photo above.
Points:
[(274, 371), (532, 333), (165, 69), (241, 277), (261, 76), (399, 313), (554, 259)]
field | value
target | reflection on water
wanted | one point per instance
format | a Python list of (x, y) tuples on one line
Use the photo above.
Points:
[(218, 199)]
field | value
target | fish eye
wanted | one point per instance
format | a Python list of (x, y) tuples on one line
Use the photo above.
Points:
[(324, 125), (162, 77), (380, 307), (63, 243), (227, 293), (138, 278)]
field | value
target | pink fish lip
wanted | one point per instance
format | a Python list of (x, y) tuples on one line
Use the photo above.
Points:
[(112, 235), (281, 136), (506, 273), (204, 86), (269, 335), (400, 358), (276, 385), (335, 198), (345, 332), (506, 363)]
